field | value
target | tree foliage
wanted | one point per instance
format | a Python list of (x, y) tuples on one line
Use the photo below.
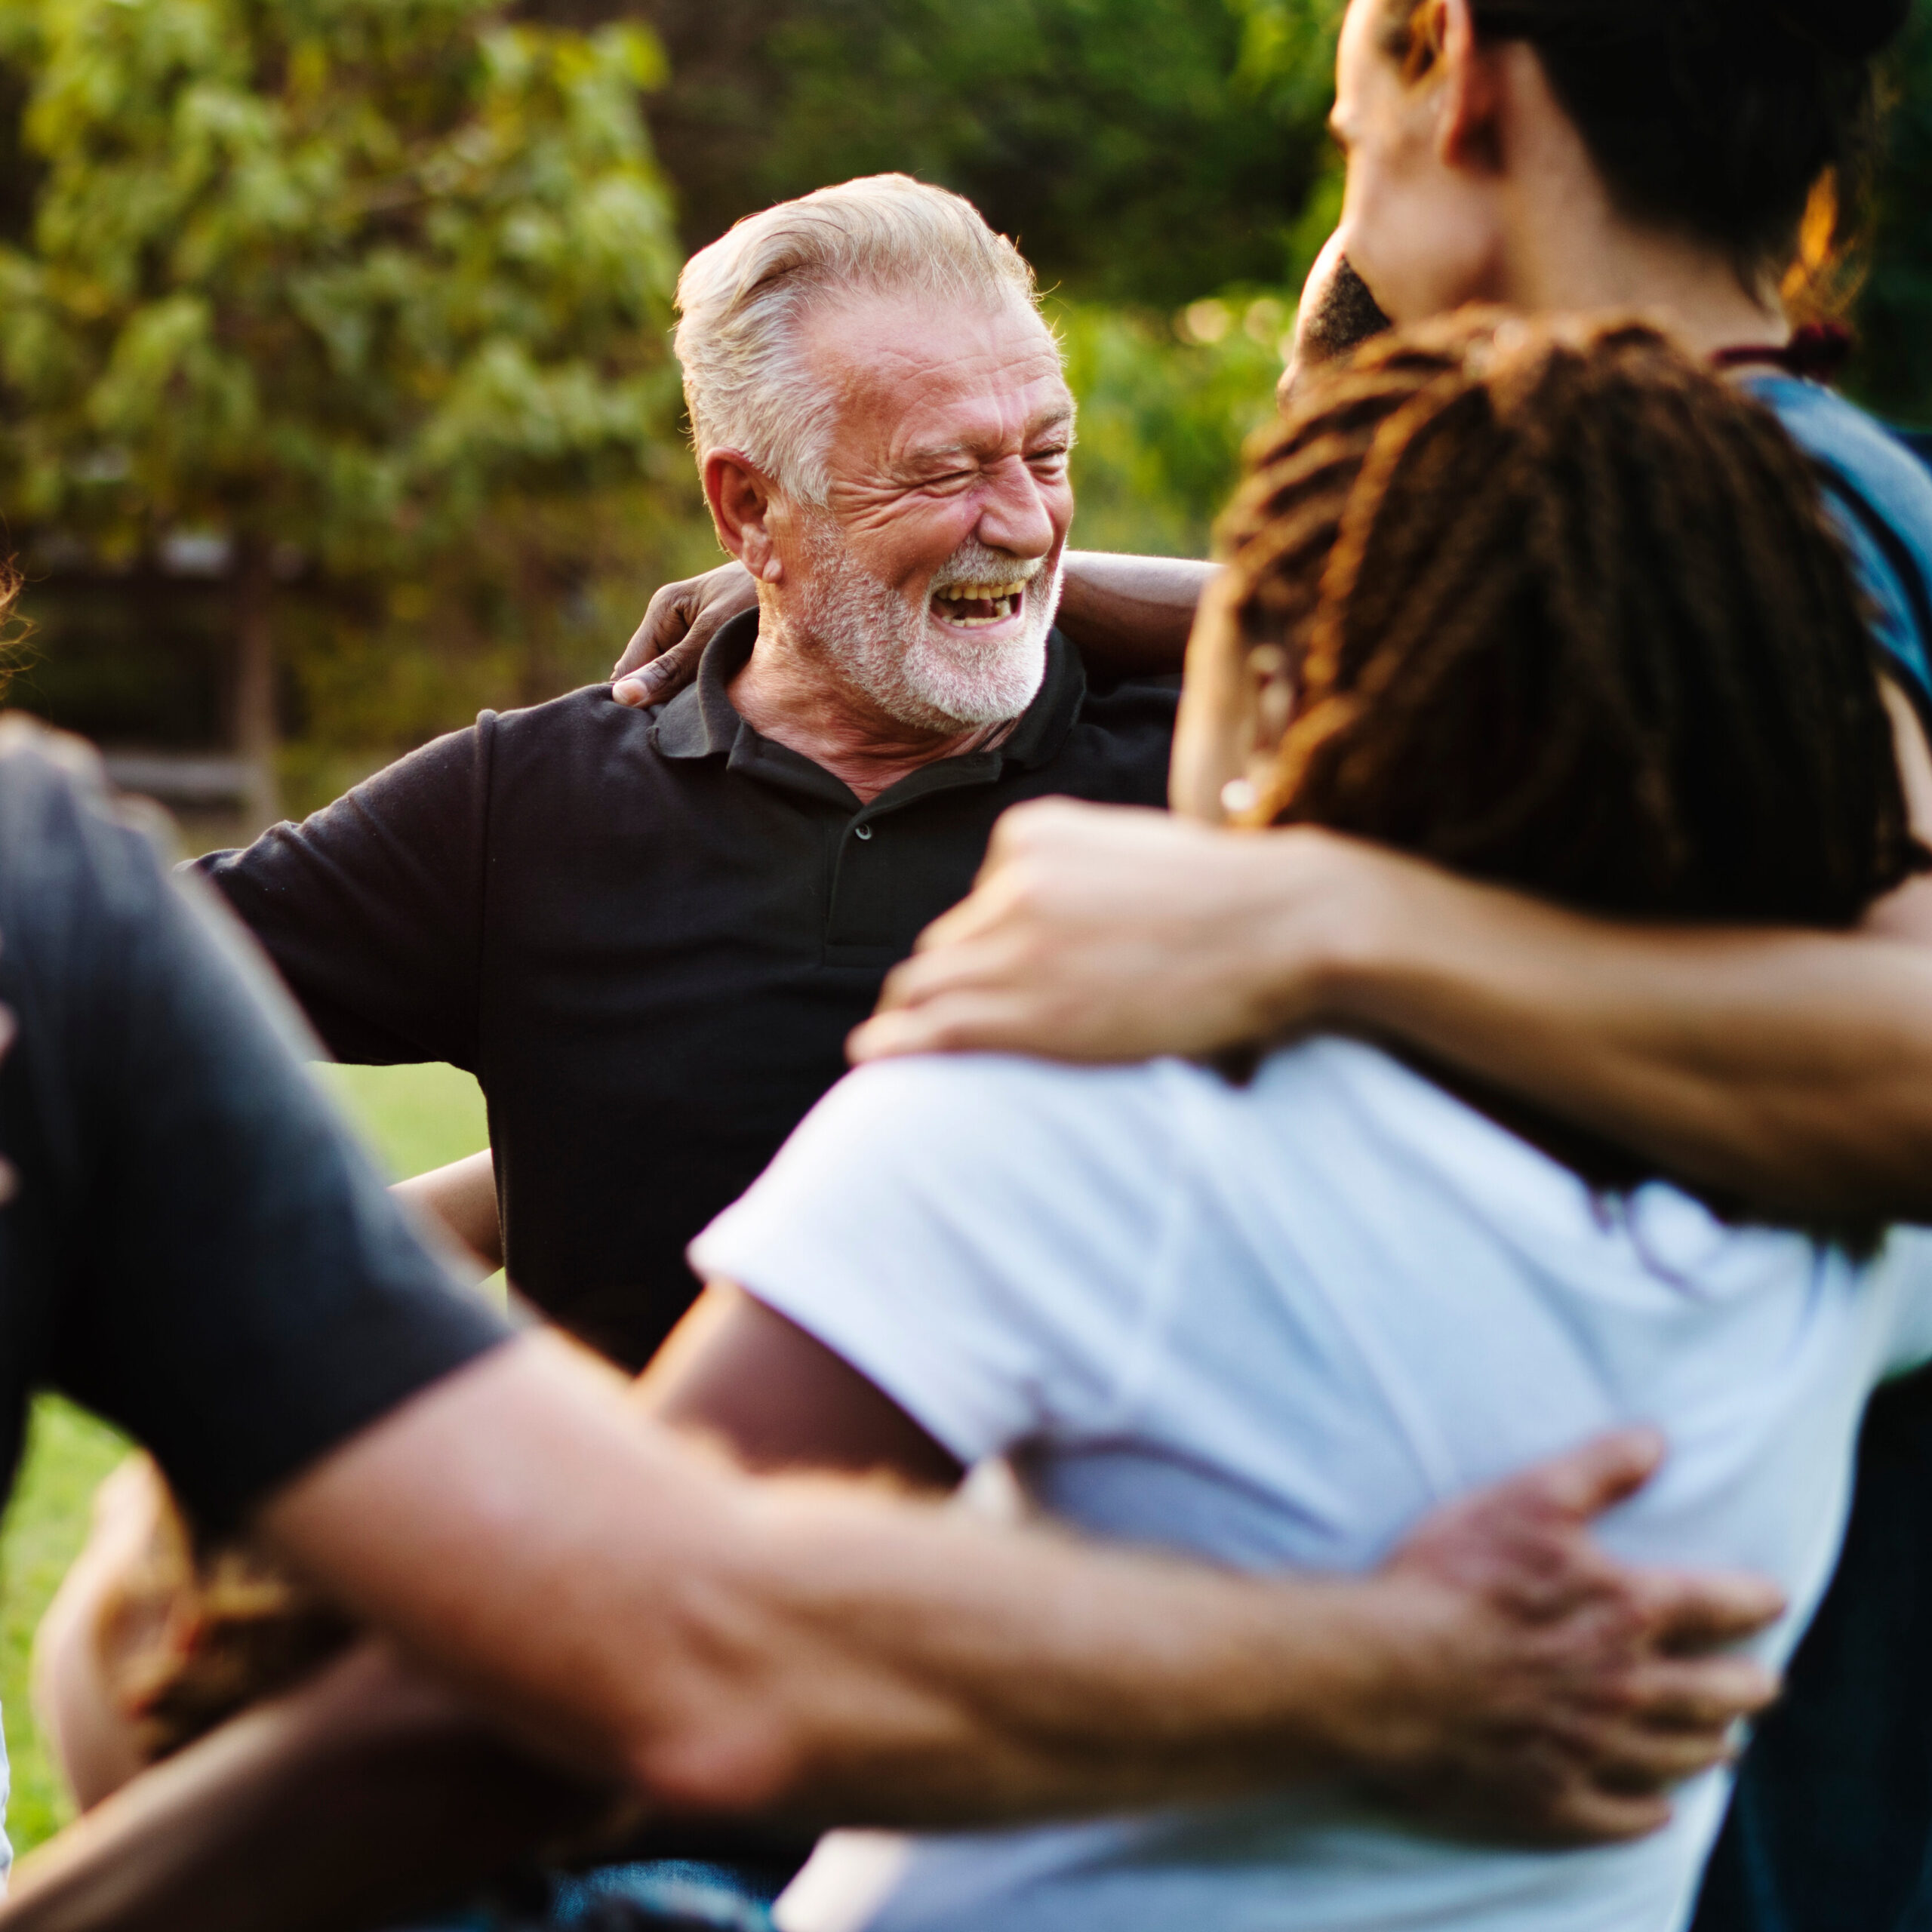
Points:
[(380, 287), (1893, 312), (331, 274), (1143, 152)]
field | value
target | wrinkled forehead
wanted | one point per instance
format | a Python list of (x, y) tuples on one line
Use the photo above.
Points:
[(909, 379)]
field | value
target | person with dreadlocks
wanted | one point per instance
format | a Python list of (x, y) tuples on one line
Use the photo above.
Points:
[(1550, 605), (1699, 160)]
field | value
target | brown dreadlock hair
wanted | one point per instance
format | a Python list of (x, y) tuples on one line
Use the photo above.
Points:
[(1566, 613)]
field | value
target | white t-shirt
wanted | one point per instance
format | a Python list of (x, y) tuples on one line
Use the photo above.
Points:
[(1276, 1324)]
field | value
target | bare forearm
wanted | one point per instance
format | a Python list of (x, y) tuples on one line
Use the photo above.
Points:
[(1794, 1069), (941, 1671), (814, 1647), (817, 1650), (1131, 615), (462, 1196), (352, 1803)]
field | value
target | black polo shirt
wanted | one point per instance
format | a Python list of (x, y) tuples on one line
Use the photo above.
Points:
[(647, 934)]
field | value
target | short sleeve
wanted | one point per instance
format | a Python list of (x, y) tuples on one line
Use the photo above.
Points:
[(1879, 496), (224, 1273), (983, 1239), (371, 908), (1895, 624)]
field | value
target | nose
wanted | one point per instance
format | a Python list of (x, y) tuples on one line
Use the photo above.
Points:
[(1018, 512)]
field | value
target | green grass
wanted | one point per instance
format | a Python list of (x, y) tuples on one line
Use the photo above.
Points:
[(416, 1117)]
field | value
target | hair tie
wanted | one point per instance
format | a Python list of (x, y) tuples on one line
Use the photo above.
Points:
[(1817, 352)]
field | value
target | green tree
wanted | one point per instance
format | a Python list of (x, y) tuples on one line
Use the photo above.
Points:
[(1893, 372), (334, 286), (1143, 152)]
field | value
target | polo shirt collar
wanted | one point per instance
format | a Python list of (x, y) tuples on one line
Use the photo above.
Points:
[(701, 722)]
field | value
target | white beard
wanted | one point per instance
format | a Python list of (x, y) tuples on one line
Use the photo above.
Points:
[(918, 671)]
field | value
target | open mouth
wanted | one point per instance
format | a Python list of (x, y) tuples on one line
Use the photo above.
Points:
[(974, 605)]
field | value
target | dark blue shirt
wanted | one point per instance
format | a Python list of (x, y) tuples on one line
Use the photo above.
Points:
[(194, 1248)]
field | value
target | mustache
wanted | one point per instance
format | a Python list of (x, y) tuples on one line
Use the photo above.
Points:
[(973, 563)]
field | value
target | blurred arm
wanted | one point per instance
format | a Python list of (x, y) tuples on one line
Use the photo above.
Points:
[(462, 1196), (359, 1798), (1130, 616), (642, 1615), (1793, 1067), (777, 1398)]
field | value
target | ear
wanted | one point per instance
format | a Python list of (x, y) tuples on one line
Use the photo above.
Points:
[(741, 498), (1467, 134)]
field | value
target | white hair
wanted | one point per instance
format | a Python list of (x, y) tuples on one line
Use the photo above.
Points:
[(741, 301)]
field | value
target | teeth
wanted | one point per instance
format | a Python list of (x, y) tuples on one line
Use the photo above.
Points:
[(1004, 599), (980, 593)]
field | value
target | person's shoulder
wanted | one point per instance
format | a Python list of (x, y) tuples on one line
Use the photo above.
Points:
[(565, 739), (1856, 445), (963, 1086), (978, 1120), (63, 823), (39, 764), (589, 711), (1120, 743), (1348, 1119), (1132, 704)]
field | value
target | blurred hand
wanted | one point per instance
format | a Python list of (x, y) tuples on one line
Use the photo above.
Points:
[(1553, 1697), (662, 656), (1110, 933)]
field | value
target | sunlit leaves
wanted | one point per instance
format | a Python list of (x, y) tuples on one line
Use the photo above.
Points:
[(335, 272)]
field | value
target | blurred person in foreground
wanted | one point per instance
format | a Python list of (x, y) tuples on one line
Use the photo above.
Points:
[(1565, 155), (577, 1615), (1556, 607)]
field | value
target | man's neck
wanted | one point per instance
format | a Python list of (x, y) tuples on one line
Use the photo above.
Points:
[(788, 692), (1570, 248)]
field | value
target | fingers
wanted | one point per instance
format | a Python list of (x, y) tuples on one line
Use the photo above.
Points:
[(664, 675), (1701, 1699), (1591, 1816), (1541, 1799), (961, 1023), (667, 620), (662, 656), (1585, 1482), (1689, 1613)]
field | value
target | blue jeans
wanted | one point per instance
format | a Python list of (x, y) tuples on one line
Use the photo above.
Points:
[(664, 1895)]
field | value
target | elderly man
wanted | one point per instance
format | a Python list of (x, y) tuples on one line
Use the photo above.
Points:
[(648, 932)]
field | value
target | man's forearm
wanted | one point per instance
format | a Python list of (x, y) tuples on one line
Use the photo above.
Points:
[(1793, 1068), (826, 1653), (1131, 615), (813, 1648), (354, 1801)]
